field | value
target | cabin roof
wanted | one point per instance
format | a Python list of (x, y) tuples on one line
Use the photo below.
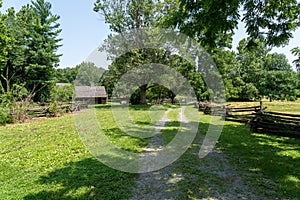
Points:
[(90, 91), (63, 84)]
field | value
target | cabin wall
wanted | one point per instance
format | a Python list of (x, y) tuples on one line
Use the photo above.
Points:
[(92, 101)]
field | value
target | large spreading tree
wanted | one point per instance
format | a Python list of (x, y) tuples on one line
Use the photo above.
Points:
[(126, 15), (213, 22)]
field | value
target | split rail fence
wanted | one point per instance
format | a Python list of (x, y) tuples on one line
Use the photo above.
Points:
[(276, 123), (259, 120), (45, 111)]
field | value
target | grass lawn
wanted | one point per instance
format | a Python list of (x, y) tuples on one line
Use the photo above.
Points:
[(275, 106), (45, 159), (266, 163), (270, 163)]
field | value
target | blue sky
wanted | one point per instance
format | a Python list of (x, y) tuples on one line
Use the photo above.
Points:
[(83, 30)]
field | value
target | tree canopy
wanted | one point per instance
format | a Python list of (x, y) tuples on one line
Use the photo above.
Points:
[(29, 54), (257, 73), (213, 22), (247, 73), (29, 41), (296, 52)]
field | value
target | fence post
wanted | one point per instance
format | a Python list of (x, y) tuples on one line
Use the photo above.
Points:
[(261, 106)]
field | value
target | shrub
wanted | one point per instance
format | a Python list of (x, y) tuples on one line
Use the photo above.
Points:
[(292, 98), (62, 94), (10, 119), (3, 117), (53, 109)]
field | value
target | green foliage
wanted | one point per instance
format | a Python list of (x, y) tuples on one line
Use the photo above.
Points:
[(129, 61), (296, 52), (228, 66), (57, 96), (53, 109), (127, 15), (276, 61), (43, 47), (135, 97), (31, 54), (5, 41), (213, 22), (16, 100), (279, 85), (157, 93), (256, 73), (66, 75), (21, 99), (3, 117), (62, 94), (88, 74)]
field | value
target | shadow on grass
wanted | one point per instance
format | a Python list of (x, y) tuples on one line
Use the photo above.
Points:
[(133, 107), (268, 164), (271, 160), (85, 179)]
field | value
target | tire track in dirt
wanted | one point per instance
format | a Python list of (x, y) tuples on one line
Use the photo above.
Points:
[(164, 183)]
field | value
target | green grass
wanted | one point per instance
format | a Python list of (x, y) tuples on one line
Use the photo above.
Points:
[(264, 157), (171, 127), (138, 114), (45, 159), (265, 161), (275, 106), (193, 183), (268, 164)]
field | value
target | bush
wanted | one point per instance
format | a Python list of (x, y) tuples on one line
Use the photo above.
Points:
[(62, 94), (10, 119), (292, 98), (3, 117), (53, 109)]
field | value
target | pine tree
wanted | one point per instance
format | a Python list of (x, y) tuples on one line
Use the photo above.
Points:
[(43, 44), (31, 53)]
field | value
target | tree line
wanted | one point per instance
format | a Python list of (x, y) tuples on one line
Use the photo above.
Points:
[(29, 40), (249, 73)]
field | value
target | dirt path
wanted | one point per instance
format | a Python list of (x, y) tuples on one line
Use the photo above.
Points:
[(220, 179), (153, 185)]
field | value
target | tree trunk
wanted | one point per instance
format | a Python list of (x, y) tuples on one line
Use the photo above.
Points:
[(173, 98), (143, 100)]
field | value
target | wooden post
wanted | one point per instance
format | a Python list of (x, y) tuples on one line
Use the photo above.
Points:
[(261, 106)]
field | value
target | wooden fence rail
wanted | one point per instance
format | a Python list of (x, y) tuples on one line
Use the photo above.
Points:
[(260, 120), (243, 115), (44, 111), (276, 123)]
